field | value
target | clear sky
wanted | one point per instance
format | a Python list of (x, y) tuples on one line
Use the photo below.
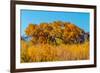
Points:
[(80, 19)]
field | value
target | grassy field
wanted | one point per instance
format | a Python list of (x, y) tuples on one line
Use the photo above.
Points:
[(47, 52)]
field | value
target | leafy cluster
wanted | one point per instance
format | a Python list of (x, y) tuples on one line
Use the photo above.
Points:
[(55, 33)]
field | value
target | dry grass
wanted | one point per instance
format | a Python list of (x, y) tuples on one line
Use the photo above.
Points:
[(47, 52)]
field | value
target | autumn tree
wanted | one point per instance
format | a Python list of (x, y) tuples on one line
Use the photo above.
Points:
[(56, 32)]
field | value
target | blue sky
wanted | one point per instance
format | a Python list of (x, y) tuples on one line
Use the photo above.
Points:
[(80, 19)]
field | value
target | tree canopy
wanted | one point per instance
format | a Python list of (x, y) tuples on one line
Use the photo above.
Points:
[(56, 32)]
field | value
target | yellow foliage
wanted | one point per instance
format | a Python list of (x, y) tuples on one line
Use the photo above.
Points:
[(30, 29)]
